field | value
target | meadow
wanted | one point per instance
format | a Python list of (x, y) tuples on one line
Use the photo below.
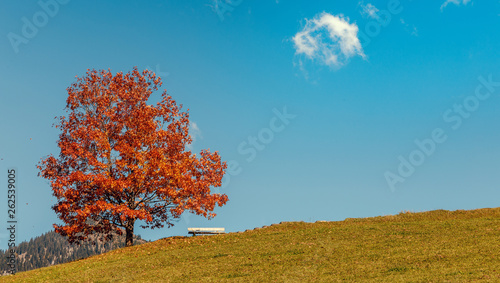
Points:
[(434, 246)]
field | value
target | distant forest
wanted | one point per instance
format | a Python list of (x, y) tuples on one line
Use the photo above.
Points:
[(52, 248)]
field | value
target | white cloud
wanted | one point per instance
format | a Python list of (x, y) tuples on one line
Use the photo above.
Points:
[(369, 10), (330, 39), (412, 30), (194, 132), (456, 2)]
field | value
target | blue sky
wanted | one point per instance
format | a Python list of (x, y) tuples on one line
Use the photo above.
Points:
[(325, 109)]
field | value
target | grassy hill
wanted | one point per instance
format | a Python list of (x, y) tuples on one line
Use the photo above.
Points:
[(51, 248), (435, 246)]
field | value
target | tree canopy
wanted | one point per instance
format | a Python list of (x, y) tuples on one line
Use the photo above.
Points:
[(123, 160)]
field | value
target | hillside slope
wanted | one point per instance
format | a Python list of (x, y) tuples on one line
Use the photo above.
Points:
[(437, 246), (51, 248)]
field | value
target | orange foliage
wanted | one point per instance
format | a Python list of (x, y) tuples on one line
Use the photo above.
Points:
[(122, 159)]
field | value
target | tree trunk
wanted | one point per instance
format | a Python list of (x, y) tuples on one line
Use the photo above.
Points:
[(129, 233)]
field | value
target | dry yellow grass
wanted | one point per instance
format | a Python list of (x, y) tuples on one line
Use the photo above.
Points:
[(435, 246)]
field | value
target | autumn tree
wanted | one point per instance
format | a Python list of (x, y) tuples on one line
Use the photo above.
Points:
[(122, 159)]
